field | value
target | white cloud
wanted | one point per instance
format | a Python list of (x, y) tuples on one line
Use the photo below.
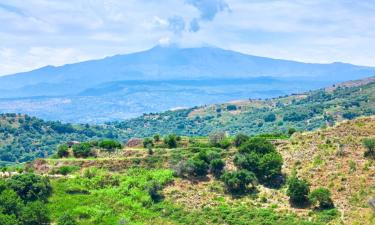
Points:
[(36, 33)]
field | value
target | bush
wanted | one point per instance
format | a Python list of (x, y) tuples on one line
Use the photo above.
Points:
[(156, 137), (271, 117), (82, 150), (298, 191), (197, 167), (225, 143), (237, 182), (231, 107), (66, 219), (110, 145), (258, 145), (64, 170), (148, 142), (63, 151), (31, 187), (154, 189), (369, 144), (240, 139), (217, 166), (322, 196), (8, 219), (171, 141), (35, 213)]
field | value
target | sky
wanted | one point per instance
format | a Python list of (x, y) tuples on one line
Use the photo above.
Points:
[(36, 33)]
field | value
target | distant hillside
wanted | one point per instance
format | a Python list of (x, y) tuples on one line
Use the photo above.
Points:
[(23, 138), (315, 109), (162, 78)]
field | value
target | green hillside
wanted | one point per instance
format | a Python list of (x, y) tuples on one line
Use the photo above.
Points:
[(308, 111)]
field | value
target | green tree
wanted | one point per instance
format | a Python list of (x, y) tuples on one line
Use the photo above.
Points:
[(369, 144), (31, 187), (258, 145), (66, 219), (110, 145), (148, 142), (240, 139), (171, 141), (321, 196), (271, 117), (237, 182), (82, 150), (197, 167), (6, 219), (298, 190), (156, 137), (63, 151), (35, 213), (217, 166), (10, 202), (270, 166)]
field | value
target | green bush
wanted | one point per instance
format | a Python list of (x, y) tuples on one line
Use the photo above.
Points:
[(196, 167), (171, 141), (82, 150), (217, 166), (31, 187), (64, 170), (258, 145), (148, 142), (63, 151), (238, 182), (66, 219), (321, 196), (369, 144), (271, 117), (298, 190), (109, 145), (240, 139)]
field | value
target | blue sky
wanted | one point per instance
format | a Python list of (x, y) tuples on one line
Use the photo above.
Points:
[(36, 33)]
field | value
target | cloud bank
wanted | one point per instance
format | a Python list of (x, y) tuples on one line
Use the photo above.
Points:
[(36, 33)]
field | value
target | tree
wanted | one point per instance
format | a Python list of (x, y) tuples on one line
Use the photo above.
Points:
[(35, 213), (196, 167), (369, 144), (148, 142), (217, 166), (31, 187), (237, 182), (240, 139), (271, 117), (322, 196), (66, 219), (156, 137), (10, 202), (6, 219), (298, 190), (270, 166), (82, 150), (171, 141), (109, 145), (63, 151), (258, 145)]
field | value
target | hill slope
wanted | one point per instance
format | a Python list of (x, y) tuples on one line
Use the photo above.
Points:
[(303, 112)]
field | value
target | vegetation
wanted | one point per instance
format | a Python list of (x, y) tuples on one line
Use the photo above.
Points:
[(369, 144), (298, 190), (239, 182), (321, 196)]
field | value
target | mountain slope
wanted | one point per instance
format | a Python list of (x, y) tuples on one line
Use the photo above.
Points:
[(162, 78), (303, 112)]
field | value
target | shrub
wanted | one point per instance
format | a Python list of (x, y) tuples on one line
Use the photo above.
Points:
[(66, 219), (8, 219), (270, 167), (154, 189), (369, 144), (231, 107), (35, 213), (258, 145), (63, 151), (197, 167), (64, 170), (82, 150), (109, 145), (217, 166), (171, 141), (156, 137), (291, 131), (148, 142), (271, 117), (237, 182), (322, 196), (240, 139), (298, 190), (31, 187), (225, 143)]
